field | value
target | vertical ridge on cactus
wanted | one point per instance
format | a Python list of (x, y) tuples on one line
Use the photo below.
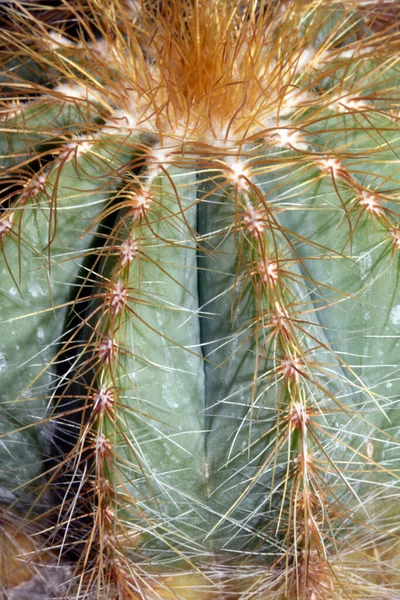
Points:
[(199, 301)]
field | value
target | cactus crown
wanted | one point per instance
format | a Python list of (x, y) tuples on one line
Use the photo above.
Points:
[(200, 306)]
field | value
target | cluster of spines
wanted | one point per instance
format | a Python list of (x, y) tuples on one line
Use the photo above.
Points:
[(281, 332)]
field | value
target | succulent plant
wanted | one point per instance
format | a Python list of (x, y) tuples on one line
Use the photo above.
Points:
[(200, 302)]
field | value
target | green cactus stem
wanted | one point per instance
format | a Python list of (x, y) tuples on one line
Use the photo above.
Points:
[(200, 305)]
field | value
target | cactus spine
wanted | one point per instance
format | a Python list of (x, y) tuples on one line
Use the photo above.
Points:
[(200, 309)]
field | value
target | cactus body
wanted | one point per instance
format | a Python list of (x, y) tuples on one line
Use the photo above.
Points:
[(200, 307)]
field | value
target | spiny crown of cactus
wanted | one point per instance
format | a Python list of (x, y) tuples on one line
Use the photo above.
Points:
[(200, 308)]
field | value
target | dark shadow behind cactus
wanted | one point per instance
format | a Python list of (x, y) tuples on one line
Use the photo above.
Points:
[(200, 308)]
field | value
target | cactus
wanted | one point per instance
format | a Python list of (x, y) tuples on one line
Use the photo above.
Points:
[(200, 307)]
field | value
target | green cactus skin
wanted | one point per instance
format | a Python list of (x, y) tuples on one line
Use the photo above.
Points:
[(200, 305)]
